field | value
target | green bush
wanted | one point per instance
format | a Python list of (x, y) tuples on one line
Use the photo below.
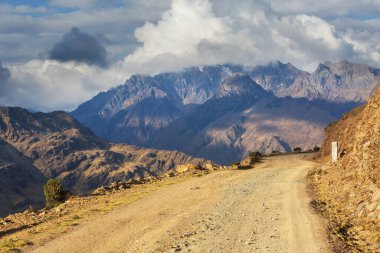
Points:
[(54, 193)]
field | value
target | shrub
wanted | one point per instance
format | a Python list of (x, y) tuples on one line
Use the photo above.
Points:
[(316, 149), (297, 150), (54, 193), (255, 154), (255, 157)]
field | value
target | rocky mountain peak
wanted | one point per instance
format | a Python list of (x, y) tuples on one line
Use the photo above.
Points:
[(275, 76), (322, 68), (240, 84)]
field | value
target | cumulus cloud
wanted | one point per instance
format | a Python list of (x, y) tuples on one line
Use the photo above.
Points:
[(174, 39), (79, 47), (190, 33), (51, 85)]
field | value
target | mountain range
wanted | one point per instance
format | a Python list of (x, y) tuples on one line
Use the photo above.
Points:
[(223, 112), (37, 146)]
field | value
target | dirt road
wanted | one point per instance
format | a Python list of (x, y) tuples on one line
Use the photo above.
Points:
[(265, 209)]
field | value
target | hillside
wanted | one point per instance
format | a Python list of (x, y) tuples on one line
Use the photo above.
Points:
[(169, 109), (349, 191), (36, 146), (20, 182)]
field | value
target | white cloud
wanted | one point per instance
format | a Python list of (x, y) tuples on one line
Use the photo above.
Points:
[(50, 85), (174, 39), (190, 34)]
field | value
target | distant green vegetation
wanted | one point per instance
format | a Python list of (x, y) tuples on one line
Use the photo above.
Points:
[(299, 150)]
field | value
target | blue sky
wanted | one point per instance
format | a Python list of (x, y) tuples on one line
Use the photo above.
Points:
[(66, 51), (34, 3), (39, 3)]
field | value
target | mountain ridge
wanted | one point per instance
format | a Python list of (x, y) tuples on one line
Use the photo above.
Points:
[(139, 111)]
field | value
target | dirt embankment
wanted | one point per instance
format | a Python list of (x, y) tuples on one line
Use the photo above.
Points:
[(348, 192)]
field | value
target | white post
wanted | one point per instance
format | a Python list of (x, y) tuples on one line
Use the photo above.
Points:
[(334, 151)]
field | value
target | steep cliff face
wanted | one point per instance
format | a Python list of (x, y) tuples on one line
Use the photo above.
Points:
[(351, 187), (37, 146)]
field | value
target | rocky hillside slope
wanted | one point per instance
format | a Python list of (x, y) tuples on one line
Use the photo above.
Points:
[(143, 110), (37, 146), (349, 191), (20, 182)]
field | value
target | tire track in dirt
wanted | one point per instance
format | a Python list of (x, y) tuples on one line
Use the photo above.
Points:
[(264, 209)]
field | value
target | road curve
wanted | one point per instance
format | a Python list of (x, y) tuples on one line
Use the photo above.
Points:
[(265, 209)]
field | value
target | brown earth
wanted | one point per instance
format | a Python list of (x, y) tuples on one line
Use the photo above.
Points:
[(348, 192), (265, 209)]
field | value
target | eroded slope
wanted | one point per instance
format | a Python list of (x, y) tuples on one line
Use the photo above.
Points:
[(349, 191)]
